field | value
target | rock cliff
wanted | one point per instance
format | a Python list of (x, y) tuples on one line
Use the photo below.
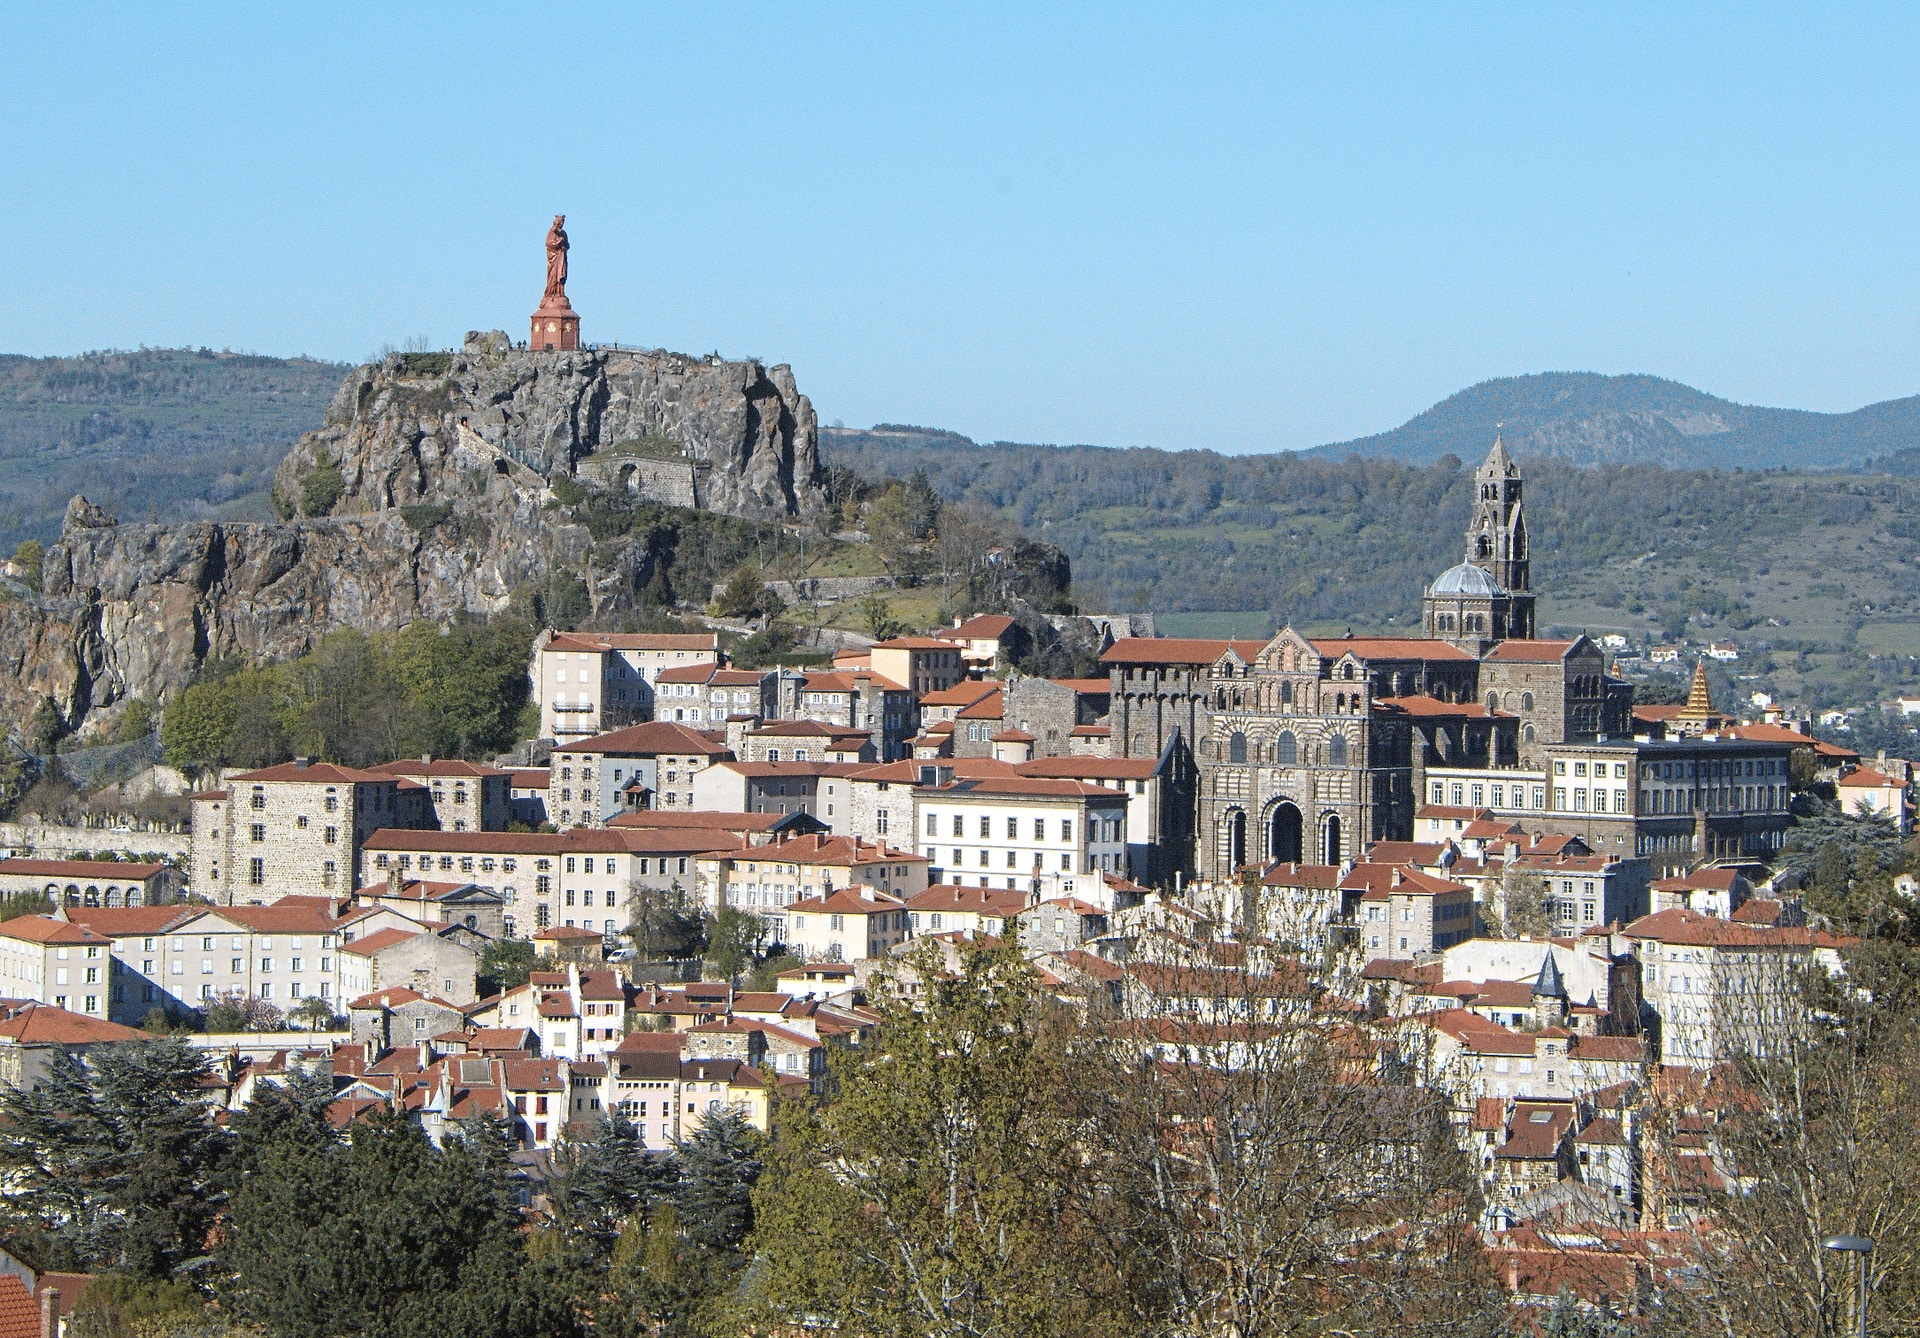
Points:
[(438, 484)]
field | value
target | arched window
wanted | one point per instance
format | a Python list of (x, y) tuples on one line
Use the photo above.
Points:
[(1206, 748), (1526, 701), (1337, 751), (1286, 749), (1526, 733), (1493, 701), (1286, 694), (1236, 747), (1346, 672)]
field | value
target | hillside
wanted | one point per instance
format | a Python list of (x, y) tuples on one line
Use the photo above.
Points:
[(1589, 419), (1813, 573), (156, 434)]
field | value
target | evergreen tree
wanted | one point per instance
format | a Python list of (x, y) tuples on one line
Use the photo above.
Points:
[(718, 1168), (109, 1163), (611, 1179)]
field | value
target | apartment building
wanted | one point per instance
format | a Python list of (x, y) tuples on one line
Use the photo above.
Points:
[(920, 664), (1402, 913), (846, 925), (859, 700), (54, 962), (642, 766), (1721, 990), (705, 694), (462, 796), (296, 828), (767, 879), (818, 789), (588, 683), (1012, 832)]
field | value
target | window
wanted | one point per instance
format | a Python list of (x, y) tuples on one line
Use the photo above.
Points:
[(259, 799), (1237, 747), (257, 832), (1066, 829), (256, 871), (1337, 751), (1287, 749)]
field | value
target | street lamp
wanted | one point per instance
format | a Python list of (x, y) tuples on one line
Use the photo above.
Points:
[(1861, 1246)]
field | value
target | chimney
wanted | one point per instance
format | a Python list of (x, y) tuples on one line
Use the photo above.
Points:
[(394, 885), (302, 763), (49, 1312), (1396, 876), (426, 759)]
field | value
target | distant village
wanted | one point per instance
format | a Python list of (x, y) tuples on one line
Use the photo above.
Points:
[(1469, 851)]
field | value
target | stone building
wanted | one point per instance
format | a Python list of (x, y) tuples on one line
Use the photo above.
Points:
[(463, 796), (590, 682), (294, 828), (1310, 748)]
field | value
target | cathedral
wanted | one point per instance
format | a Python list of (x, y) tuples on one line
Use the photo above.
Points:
[(1308, 749)]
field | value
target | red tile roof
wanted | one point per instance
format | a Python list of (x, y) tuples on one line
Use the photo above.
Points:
[(19, 1314), (121, 921), (313, 773), (378, 941), (43, 1024), (1176, 650), (1433, 708), (1324, 876), (978, 628), (911, 643), (1092, 768), (634, 641), (1037, 787), (950, 897), (439, 766), (1390, 648), (990, 707), (964, 693), (652, 739), (857, 900), (103, 870), (46, 929)]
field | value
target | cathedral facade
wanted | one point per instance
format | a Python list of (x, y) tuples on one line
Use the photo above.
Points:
[(1308, 749)]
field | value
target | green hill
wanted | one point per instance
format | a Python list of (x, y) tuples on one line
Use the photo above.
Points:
[(1813, 574), (1590, 419), (166, 434)]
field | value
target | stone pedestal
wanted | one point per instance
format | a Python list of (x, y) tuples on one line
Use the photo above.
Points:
[(555, 328)]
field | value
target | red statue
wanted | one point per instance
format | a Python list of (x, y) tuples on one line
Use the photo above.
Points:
[(556, 295)]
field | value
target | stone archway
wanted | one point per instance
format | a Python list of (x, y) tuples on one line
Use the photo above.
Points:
[(1284, 834), (1234, 841), (1330, 843)]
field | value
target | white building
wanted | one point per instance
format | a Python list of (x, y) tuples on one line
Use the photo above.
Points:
[(589, 682), (1012, 832)]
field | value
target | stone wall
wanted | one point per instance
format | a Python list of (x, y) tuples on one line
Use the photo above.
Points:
[(674, 482), (48, 841)]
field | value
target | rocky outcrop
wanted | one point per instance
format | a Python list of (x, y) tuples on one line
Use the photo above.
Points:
[(439, 483), (430, 427)]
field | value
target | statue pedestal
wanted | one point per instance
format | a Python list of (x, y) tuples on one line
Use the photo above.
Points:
[(555, 328)]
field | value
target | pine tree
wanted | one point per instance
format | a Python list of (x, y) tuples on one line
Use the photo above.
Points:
[(611, 1178), (718, 1168)]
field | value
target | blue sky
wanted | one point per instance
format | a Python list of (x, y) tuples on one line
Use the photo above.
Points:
[(1245, 228)]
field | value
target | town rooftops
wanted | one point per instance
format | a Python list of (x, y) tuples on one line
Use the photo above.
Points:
[(819, 848), (652, 739), (990, 706), (100, 870), (1176, 650), (1012, 736), (564, 934), (1689, 928), (1389, 648), (529, 778), (1377, 882), (849, 680), (808, 729), (589, 840)]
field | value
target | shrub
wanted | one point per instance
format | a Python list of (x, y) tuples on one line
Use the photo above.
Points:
[(425, 515), (323, 486)]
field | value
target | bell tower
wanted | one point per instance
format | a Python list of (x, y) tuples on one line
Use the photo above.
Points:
[(1497, 535)]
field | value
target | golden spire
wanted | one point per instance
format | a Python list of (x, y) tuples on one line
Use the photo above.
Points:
[(1699, 700)]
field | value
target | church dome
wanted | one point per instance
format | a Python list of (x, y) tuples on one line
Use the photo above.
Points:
[(1468, 580)]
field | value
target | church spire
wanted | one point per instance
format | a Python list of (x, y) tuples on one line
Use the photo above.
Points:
[(1498, 463)]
